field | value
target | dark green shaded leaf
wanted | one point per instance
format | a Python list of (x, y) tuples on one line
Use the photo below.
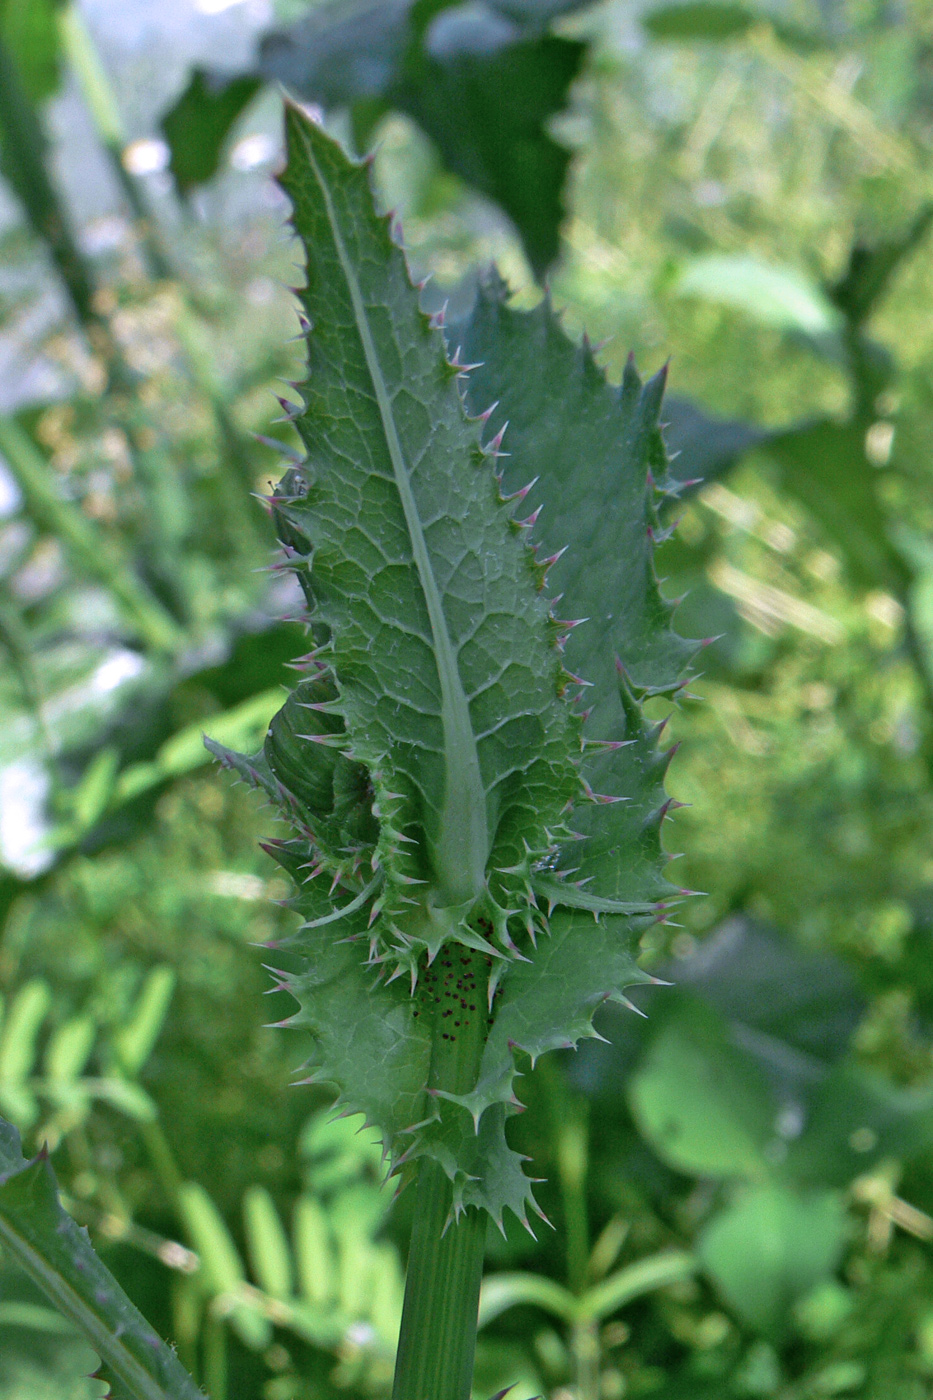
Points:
[(825, 466), (197, 127), (483, 80), (29, 28), (487, 107), (855, 1119), (872, 265), (758, 979), (339, 54)]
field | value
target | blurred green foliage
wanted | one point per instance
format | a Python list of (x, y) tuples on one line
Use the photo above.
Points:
[(742, 1184)]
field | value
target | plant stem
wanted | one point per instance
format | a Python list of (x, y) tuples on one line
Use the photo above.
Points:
[(88, 548), (584, 1347), (163, 1164), (570, 1118), (569, 1113), (102, 104), (438, 1336), (193, 333), (24, 167), (215, 1357), (445, 1262)]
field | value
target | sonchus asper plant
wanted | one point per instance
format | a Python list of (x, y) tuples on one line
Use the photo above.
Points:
[(474, 792)]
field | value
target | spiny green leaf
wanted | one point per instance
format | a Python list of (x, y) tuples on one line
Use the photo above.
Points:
[(441, 648), (373, 1043), (584, 449), (484, 1171), (334, 792), (43, 1239), (437, 672), (369, 1043), (586, 452), (548, 1002)]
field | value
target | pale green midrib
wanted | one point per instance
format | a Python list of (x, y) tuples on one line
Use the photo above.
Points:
[(570, 897), (125, 1366), (346, 909), (463, 846)]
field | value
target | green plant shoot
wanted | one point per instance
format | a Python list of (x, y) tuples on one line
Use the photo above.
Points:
[(475, 795)]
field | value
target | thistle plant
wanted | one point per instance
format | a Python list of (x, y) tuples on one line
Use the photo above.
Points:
[(474, 792)]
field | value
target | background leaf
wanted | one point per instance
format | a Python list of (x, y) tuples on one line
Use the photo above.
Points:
[(30, 29), (485, 95), (777, 296), (198, 126), (704, 1108), (769, 1248)]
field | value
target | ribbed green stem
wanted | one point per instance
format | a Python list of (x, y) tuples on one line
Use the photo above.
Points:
[(438, 1336), (445, 1261)]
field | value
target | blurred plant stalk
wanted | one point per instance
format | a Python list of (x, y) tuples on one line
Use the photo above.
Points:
[(89, 550)]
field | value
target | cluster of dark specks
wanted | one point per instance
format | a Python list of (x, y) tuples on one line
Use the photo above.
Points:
[(451, 979), (450, 984)]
